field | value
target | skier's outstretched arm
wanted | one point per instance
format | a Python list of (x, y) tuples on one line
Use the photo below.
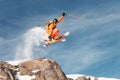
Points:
[(62, 17)]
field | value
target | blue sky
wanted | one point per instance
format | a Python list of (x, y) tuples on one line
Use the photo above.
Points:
[(93, 45)]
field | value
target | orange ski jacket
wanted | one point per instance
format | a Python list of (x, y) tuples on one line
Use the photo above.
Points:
[(50, 26)]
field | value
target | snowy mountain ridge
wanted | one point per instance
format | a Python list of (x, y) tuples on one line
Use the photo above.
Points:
[(71, 76)]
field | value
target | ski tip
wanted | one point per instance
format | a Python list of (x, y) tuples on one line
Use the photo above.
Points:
[(67, 33), (63, 40), (46, 45)]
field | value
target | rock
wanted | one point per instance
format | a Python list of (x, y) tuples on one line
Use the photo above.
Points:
[(3, 74), (95, 79), (70, 79), (46, 69), (42, 69), (82, 78), (7, 71), (7, 65)]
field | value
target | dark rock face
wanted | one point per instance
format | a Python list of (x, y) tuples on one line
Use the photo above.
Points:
[(7, 71)]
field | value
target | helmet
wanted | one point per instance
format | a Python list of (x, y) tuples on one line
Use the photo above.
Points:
[(55, 20)]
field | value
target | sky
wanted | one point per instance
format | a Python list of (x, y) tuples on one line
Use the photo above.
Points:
[(92, 48)]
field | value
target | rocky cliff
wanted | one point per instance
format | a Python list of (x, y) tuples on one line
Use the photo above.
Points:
[(40, 69)]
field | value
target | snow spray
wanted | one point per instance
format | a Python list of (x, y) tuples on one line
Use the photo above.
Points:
[(30, 39)]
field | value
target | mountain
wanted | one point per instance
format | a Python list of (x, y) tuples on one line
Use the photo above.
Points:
[(38, 69)]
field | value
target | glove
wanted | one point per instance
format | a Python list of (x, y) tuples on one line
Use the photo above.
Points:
[(63, 13)]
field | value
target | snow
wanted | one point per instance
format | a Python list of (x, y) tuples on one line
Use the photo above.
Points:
[(35, 71), (75, 76), (29, 40), (16, 62), (107, 79), (26, 77)]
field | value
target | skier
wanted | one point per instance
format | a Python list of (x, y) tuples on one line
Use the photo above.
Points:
[(53, 32)]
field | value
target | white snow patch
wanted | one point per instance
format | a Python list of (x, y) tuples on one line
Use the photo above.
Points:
[(16, 62), (75, 76), (35, 71), (25, 77)]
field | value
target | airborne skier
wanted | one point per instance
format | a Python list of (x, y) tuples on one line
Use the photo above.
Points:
[(53, 32)]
